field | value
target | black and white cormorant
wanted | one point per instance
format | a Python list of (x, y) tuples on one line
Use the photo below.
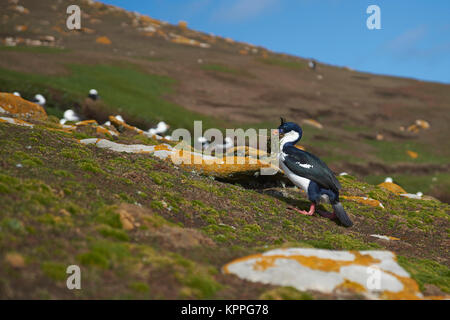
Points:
[(310, 173)]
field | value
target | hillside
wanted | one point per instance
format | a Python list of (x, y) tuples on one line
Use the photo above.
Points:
[(177, 75), (141, 227)]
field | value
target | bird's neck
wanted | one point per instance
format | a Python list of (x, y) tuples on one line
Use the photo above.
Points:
[(289, 139)]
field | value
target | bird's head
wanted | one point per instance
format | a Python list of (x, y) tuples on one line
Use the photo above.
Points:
[(289, 127)]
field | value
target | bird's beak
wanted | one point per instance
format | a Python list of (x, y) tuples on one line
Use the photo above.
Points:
[(278, 133)]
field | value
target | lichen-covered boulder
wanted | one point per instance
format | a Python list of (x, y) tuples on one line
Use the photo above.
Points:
[(364, 200), (14, 105), (15, 121), (123, 127), (373, 274), (225, 168), (394, 188)]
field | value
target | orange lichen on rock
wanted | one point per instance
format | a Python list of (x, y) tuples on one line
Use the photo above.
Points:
[(183, 25), (15, 260), (225, 167), (364, 200), (86, 123), (410, 289), (183, 40), (123, 127), (87, 30), (246, 151), (21, 28), (394, 188), (15, 121), (352, 286), (412, 154), (103, 40), (148, 20), (17, 106), (313, 262), (418, 125), (328, 271), (313, 123), (423, 124), (161, 147)]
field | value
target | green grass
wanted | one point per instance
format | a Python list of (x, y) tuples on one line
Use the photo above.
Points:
[(426, 271), (394, 151), (124, 89), (225, 69), (415, 183), (55, 214), (282, 63)]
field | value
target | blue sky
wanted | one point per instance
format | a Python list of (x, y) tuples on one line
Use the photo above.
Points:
[(414, 40)]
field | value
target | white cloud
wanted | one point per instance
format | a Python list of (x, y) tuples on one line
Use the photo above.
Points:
[(407, 40)]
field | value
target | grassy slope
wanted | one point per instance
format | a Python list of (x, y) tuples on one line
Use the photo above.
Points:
[(139, 96), (62, 207)]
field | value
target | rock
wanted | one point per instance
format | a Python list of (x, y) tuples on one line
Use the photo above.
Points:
[(183, 40), (182, 25), (313, 123), (423, 124), (123, 127), (364, 200), (15, 260), (21, 9), (14, 105), (230, 168), (64, 212), (49, 39), (103, 40), (126, 219), (394, 188), (388, 238), (167, 235), (412, 154), (417, 196), (162, 151), (418, 125), (227, 167), (373, 274), (21, 28), (16, 121), (10, 42)]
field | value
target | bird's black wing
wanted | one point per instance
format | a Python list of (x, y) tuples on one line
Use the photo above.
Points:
[(309, 166)]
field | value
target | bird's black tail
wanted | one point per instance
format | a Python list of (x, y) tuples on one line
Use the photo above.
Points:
[(342, 215)]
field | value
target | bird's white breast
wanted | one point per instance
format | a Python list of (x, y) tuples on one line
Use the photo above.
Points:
[(297, 180)]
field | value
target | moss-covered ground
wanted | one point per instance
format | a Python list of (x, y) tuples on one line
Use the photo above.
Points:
[(142, 228)]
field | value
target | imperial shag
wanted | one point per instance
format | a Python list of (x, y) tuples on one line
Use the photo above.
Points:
[(310, 173)]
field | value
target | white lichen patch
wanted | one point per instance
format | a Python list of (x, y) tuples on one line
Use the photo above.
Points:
[(388, 238), (16, 121), (373, 274)]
